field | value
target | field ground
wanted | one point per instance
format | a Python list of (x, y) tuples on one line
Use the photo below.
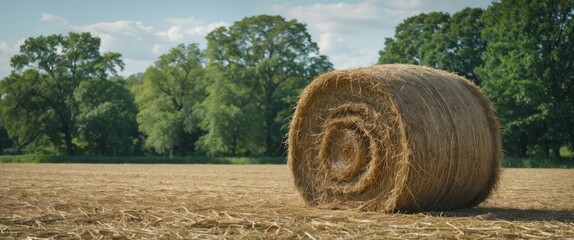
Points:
[(512, 162), (128, 201)]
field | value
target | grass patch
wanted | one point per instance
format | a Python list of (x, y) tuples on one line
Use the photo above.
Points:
[(509, 162), (537, 162), (140, 159)]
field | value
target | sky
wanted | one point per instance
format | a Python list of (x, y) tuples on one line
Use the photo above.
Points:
[(349, 32)]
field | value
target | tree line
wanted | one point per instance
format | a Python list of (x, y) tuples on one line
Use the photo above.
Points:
[(234, 98), (521, 53), (231, 99)]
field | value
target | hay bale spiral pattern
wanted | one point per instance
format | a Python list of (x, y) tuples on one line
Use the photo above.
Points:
[(394, 138)]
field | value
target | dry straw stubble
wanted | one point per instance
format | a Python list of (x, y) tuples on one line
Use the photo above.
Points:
[(394, 138)]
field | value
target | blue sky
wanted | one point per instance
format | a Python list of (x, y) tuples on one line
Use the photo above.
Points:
[(349, 32)]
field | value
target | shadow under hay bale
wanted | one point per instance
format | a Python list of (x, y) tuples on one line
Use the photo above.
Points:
[(394, 138)]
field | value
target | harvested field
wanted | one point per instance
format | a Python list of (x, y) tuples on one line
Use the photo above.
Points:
[(253, 201)]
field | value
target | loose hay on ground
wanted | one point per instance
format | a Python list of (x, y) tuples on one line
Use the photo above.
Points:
[(394, 138), (252, 202)]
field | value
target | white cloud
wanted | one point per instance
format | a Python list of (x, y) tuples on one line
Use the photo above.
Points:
[(188, 29), (4, 47), (140, 44), (53, 18), (137, 42), (124, 36), (205, 29), (348, 18), (344, 54), (133, 39), (174, 34), (449, 6), (156, 49), (354, 58), (352, 34), (329, 42), (124, 27)]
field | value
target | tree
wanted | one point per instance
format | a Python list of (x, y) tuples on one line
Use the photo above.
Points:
[(134, 83), (230, 116), (270, 59), (38, 106), (458, 46), (529, 72), (412, 38), (435, 39), (171, 89), (107, 117)]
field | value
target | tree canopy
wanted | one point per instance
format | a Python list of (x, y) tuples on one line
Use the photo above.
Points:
[(40, 102), (234, 97), (520, 52), (259, 65), (171, 89), (106, 121), (529, 72), (412, 39), (438, 40)]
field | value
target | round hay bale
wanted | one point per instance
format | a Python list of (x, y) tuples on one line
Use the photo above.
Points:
[(394, 138)]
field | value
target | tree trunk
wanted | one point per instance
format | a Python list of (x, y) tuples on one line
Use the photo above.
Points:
[(269, 117), (546, 149), (68, 139), (556, 151), (523, 146), (269, 139), (234, 143), (181, 144)]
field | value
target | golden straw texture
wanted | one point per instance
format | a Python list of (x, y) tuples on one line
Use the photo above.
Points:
[(394, 138)]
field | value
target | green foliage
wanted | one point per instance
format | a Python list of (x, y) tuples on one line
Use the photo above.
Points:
[(230, 117), (518, 51), (256, 65), (511, 162), (565, 152), (537, 162), (167, 97), (529, 74), (141, 159), (106, 119), (458, 46), (39, 105), (435, 39), (412, 39), (30, 158), (234, 99)]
